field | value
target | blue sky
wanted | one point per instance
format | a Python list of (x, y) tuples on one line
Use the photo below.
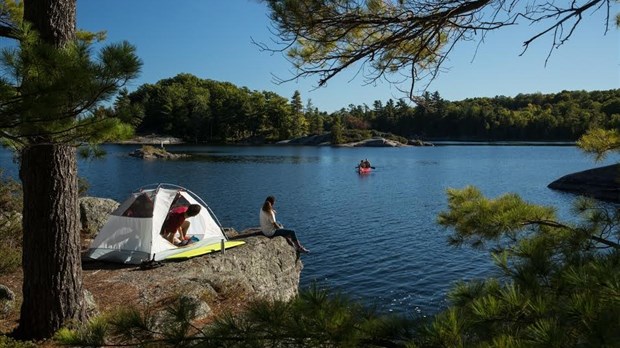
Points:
[(212, 39)]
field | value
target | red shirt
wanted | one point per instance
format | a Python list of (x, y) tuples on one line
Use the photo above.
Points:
[(175, 219)]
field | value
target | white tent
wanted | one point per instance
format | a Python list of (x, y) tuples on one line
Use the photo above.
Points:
[(132, 232)]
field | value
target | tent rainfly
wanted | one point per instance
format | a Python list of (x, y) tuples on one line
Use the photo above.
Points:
[(132, 233)]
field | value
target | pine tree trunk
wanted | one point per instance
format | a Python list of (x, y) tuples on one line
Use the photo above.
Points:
[(54, 20), (52, 289)]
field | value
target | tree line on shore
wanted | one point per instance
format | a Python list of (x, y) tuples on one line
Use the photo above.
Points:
[(203, 110)]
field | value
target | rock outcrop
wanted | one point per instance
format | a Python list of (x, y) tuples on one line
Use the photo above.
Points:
[(325, 140), (153, 139), (262, 268), (156, 153), (94, 213), (310, 140), (7, 301), (418, 142), (601, 183), (375, 142)]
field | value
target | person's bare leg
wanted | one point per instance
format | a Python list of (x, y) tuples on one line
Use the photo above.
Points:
[(184, 229)]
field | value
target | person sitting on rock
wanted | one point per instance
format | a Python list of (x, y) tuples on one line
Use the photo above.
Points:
[(271, 228)]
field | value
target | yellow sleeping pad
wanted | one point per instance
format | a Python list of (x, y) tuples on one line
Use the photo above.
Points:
[(205, 250)]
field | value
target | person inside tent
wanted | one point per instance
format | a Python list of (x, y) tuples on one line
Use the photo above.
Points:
[(177, 222), (271, 228)]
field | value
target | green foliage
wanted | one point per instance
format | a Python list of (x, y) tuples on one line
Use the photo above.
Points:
[(477, 219), (90, 335), (314, 319), (151, 150), (558, 282), (324, 38), (200, 110), (177, 325), (91, 152), (600, 141), (127, 325), (410, 38), (10, 247), (131, 324), (299, 123), (10, 195), (7, 342), (52, 94), (83, 186), (337, 132), (563, 116), (10, 225)]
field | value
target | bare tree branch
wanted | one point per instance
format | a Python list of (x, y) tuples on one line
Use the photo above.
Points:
[(325, 38)]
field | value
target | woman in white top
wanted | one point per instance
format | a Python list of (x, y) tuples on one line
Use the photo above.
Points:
[(271, 228)]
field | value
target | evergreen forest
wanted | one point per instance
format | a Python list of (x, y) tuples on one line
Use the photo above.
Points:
[(206, 111)]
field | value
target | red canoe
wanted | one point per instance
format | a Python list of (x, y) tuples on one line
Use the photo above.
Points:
[(363, 170)]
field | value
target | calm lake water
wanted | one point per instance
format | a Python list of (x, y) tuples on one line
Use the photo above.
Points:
[(372, 236)]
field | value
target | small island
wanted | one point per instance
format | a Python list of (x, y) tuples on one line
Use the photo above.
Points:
[(151, 152)]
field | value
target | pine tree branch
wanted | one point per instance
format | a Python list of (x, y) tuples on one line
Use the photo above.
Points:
[(606, 242), (9, 32), (556, 224)]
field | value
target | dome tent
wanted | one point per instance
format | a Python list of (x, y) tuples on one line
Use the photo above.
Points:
[(132, 232)]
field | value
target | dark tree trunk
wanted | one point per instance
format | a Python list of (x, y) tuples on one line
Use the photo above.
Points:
[(54, 20), (52, 289)]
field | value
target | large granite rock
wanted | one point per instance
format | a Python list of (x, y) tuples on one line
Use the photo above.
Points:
[(262, 268), (94, 213), (7, 301), (601, 183)]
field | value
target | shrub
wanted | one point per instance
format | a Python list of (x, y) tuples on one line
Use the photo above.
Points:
[(10, 195), (10, 225), (7, 342)]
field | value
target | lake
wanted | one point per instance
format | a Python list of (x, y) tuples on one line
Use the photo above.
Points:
[(372, 236)]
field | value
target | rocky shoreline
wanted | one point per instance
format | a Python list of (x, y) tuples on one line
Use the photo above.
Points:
[(262, 268), (155, 140), (601, 183), (311, 140)]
